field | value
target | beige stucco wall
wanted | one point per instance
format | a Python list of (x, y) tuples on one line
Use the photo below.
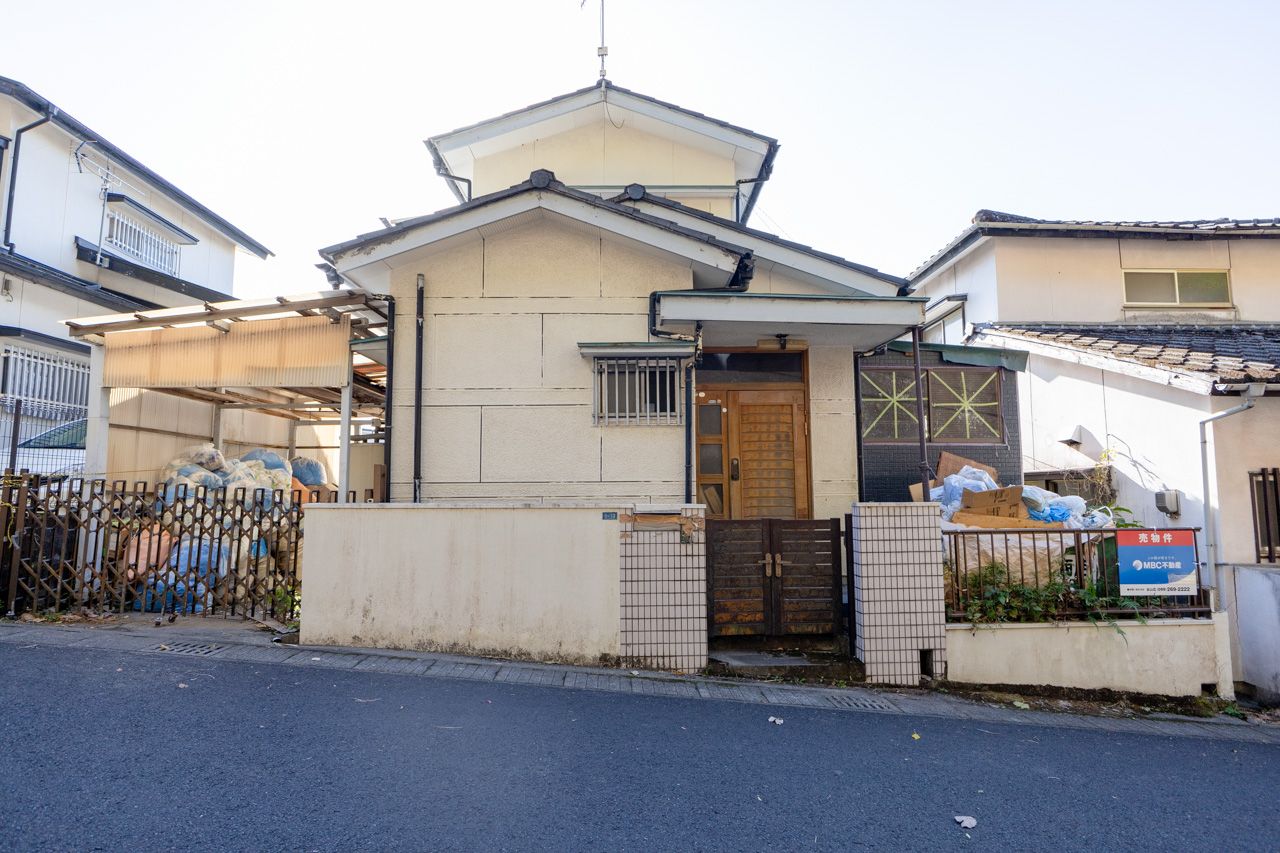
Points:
[(1242, 443), (602, 155), (507, 398), (540, 582), (1164, 657), (1061, 280)]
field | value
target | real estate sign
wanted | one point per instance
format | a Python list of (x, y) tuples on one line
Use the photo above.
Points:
[(1157, 562)]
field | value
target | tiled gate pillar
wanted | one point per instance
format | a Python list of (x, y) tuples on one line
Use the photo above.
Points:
[(663, 570), (898, 604)]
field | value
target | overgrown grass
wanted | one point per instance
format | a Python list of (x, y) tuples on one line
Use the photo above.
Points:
[(990, 597)]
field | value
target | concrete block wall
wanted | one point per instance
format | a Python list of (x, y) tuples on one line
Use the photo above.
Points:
[(663, 572), (898, 602)]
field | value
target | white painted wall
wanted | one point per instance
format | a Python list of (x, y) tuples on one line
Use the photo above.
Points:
[(518, 582), (1164, 657), (1253, 593)]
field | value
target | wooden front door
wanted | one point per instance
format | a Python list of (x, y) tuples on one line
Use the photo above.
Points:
[(753, 454), (773, 577)]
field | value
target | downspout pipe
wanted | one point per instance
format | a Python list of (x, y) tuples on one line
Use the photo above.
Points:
[(689, 369), (417, 390), (13, 175), (1210, 517), (388, 405), (926, 474)]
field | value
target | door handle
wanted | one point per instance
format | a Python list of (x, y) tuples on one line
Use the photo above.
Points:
[(778, 563), (734, 473), (768, 565)]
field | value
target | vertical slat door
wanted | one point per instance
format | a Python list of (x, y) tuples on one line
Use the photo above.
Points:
[(737, 586), (767, 437), (806, 582)]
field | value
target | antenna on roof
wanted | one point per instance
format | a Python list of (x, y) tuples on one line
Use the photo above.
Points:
[(602, 51)]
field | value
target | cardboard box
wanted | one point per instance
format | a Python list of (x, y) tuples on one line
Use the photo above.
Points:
[(948, 464), (1006, 503), (996, 522)]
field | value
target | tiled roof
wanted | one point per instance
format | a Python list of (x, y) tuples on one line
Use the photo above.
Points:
[(1199, 225), (1227, 352), (995, 223)]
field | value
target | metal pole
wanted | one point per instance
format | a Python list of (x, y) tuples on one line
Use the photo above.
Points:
[(344, 446), (1210, 521), (926, 475), (17, 433)]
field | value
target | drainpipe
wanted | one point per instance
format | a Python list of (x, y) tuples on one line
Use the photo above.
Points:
[(1210, 519), (688, 413), (387, 404), (738, 283), (13, 174), (417, 393), (926, 475)]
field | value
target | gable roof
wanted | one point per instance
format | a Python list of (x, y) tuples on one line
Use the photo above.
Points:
[(995, 223), (1221, 353), (25, 96), (755, 147), (638, 194), (542, 183)]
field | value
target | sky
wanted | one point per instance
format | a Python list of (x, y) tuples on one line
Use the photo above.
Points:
[(302, 122)]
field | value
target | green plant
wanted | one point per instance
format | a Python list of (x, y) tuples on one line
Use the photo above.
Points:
[(990, 597)]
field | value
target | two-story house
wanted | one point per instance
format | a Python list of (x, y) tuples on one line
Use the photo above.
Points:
[(1153, 372), (88, 230), (595, 319)]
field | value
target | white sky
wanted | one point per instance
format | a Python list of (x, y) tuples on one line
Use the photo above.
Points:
[(302, 123)]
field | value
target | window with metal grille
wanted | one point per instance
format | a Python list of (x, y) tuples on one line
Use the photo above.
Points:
[(962, 405), (638, 391), (46, 382), (141, 243)]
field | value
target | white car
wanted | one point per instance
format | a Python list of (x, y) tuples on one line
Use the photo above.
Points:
[(58, 451)]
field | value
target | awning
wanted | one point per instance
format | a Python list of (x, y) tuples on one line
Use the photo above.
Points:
[(741, 319), (976, 356)]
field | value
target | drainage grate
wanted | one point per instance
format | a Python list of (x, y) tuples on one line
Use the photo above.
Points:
[(186, 648), (857, 703)]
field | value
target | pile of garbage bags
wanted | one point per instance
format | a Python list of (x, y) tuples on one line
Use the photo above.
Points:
[(1042, 505), (203, 465)]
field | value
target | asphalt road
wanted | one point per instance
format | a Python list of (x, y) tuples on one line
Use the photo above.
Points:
[(106, 751)]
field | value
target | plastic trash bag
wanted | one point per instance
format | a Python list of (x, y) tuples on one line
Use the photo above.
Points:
[(310, 472)]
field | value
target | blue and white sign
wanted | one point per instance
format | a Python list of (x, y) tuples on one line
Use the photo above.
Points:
[(1157, 562)]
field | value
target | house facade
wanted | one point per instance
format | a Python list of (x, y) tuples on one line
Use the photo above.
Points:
[(597, 321), (88, 230), (1152, 376)]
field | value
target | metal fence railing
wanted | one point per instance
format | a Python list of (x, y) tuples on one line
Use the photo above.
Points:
[(68, 544), (1023, 575), (42, 436), (1264, 491)]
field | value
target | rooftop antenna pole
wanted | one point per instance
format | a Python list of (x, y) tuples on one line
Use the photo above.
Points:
[(602, 51)]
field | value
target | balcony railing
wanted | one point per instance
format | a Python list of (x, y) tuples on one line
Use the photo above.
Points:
[(141, 243)]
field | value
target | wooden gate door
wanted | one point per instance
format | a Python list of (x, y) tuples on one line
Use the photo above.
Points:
[(773, 577), (769, 454)]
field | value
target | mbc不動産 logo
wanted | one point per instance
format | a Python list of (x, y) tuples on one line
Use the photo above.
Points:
[(1172, 565)]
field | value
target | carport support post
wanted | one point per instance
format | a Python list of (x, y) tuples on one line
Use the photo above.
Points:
[(925, 473), (98, 416), (344, 441)]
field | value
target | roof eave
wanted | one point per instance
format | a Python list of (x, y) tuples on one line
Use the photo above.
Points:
[(43, 106)]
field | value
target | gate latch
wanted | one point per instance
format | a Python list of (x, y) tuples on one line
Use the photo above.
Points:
[(778, 562), (768, 565)]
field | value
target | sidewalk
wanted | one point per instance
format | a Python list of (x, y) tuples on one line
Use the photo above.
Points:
[(232, 640)]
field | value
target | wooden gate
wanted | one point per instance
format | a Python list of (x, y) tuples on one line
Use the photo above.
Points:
[(773, 577)]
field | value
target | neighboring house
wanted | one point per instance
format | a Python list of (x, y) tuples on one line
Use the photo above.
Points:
[(596, 321), (1136, 333), (90, 230)]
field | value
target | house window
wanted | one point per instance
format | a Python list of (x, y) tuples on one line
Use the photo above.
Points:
[(1177, 287), (638, 391), (48, 384), (141, 243), (962, 406), (1264, 486)]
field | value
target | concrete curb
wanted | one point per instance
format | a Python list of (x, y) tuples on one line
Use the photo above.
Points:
[(236, 641)]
